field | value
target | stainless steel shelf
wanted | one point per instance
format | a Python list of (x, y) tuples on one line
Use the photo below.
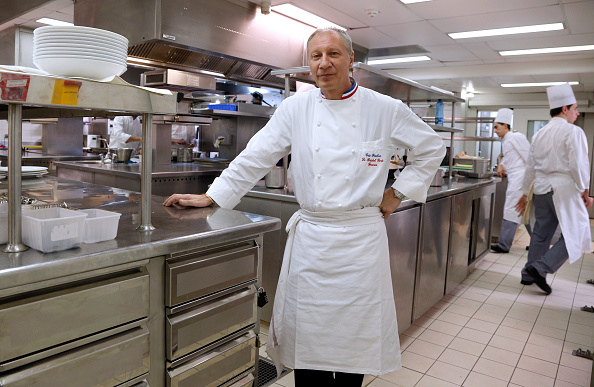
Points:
[(228, 113), (381, 81), (487, 139), (49, 96), (439, 128)]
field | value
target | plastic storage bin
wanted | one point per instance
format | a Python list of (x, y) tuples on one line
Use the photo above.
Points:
[(100, 225), (53, 229), (223, 106)]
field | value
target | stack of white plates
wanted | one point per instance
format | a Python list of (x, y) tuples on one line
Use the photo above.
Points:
[(75, 51), (27, 172)]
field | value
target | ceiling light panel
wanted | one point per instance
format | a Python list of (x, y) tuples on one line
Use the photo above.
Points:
[(304, 16), (549, 50), (398, 60), (536, 84), (413, 1), (53, 22), (507, 31)]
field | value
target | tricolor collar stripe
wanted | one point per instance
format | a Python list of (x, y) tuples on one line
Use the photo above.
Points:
[(349, 93)]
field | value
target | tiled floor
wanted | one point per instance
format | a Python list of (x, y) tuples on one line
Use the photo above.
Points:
[(492, 331)]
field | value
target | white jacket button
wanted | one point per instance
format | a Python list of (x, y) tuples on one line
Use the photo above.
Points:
[(347, 178), (318, 124), (319, 203), (319, 175), (352, 151), (317, 149), (339, 205), (354, 125)]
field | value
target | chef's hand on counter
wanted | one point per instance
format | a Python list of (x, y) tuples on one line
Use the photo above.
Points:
[(586, 198), (178, 212), (500, 170), (389, 203), (188, 200), (521, 205), (179, 141)]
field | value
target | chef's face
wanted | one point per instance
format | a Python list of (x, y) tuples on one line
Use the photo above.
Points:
[(571, 113), (330, 62), (500, 129)]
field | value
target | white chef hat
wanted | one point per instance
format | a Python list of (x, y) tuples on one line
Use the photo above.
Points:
[(560, 95), (505, 116)]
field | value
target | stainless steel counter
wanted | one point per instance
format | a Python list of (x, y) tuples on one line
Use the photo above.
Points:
[(166, 179), (176, 230), (451, 187)]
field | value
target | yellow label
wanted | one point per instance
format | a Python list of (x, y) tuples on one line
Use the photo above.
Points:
[(66, 92)]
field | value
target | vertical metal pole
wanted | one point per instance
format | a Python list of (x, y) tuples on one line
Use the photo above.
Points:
[(451, 154), (15, 115), (287, 95), (145, 173), (453, 113)]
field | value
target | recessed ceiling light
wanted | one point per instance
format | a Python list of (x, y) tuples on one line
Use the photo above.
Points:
[(546, 50), (398, 60), (53, 22), (535, 84), (507, 31), (304, 16), (413, 1)]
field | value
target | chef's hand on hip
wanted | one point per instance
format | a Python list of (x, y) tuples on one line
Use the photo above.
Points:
[(500, 170), (389, 203), (188, 200), (521, 205), (586, 198)]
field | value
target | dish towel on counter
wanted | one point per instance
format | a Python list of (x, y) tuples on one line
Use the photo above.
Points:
[(334, 306)]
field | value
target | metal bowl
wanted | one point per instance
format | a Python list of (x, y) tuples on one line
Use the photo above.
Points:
[(121, 155)]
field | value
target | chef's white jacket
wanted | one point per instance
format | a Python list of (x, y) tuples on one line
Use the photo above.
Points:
[(123, 128), (515, 149), (558, 162), (334, 306)]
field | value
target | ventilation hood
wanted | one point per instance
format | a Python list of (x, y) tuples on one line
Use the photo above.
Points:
[(229, 38)]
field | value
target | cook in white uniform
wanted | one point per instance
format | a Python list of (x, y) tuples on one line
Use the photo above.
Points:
[(182, 134), (558, 165), (334, 307), (126, 132), (515, 149)]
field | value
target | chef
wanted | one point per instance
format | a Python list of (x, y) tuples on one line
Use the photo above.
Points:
[(334, 307), (558, 165), (182, 134), (126, 132), (515, 149)]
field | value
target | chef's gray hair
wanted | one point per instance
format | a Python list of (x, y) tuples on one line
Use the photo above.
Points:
[(346, 39)]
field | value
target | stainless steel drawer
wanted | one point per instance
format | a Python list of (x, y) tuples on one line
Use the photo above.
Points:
[(217, 366), (44, 320), (107, 362), (196, 327), (196, 275)]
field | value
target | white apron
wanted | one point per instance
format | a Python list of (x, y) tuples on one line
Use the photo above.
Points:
[(513, 193), (572, 214), (328, 280)]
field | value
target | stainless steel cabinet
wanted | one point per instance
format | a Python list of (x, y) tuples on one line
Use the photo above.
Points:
[(482, 213), (403, 238), (431, 266), (459, 240)]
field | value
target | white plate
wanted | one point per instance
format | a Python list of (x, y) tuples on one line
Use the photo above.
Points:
[(73, 40), (91, 53), (77, 30), (104, 38), (69, 58), (81, 46), (80, 67), (26, 168)]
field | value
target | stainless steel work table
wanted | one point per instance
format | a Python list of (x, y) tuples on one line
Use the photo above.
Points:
[(452, 186), (176, 230), (166, 179)]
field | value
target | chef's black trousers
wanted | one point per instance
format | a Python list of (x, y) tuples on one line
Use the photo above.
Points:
[(309, 378)]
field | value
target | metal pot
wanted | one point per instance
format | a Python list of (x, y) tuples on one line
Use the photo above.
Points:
[(438, 179), (121, 155), (275, 178), (185, 155)]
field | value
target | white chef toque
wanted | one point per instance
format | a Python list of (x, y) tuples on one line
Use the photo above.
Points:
[(560, 95), (505, 116)]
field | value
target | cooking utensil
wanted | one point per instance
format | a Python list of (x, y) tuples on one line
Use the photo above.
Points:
[(185, 155), (275, 178), (121, 155)]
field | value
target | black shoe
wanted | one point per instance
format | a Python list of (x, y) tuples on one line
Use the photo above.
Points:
[(498, 249), (540, 281), (527, 248), (525, 282)]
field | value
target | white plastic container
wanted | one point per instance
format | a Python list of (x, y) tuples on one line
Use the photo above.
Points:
[(101, 225), (53, 229)]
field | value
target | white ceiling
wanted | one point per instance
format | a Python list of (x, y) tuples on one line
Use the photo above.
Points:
[(454, 63)]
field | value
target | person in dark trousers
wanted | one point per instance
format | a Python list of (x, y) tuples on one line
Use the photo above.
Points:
[(334, 318)]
